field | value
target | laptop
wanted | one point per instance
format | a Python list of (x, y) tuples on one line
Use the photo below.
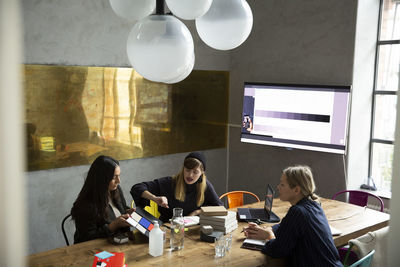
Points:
[(265, 214)]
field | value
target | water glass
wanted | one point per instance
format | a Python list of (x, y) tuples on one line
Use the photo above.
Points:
[(228, 242), (177, 229), (220, 244)]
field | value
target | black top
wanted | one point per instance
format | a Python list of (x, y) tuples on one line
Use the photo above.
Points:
[(89, 226), (304, 237), (165, 187)]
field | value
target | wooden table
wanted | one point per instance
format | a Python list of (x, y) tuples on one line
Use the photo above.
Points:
[(352, 220)]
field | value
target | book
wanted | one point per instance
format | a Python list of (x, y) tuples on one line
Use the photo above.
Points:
[(226, 229), (210, 237), (214, 210), (253, 244), (109, 259), (231, 215), (217, 223)]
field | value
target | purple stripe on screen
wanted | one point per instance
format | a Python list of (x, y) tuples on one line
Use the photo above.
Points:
[(292, 115), (339, 117), (249, 91)]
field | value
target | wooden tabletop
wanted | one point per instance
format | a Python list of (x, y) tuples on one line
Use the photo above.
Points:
[(352, 220)]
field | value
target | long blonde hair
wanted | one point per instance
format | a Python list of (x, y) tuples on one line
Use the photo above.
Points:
[(180, 185), (301, 176)]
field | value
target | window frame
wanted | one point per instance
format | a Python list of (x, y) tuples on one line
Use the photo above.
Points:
[(375, 92)]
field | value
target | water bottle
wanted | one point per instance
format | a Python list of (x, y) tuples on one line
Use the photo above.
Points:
[(177, 229), (156, 243)]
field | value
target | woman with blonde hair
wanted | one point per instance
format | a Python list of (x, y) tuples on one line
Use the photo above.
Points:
[(303, 236), (189, 189)]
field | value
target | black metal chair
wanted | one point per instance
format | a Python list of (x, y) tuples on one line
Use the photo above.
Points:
[(63, 228)]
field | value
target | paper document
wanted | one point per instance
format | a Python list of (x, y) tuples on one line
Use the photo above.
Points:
[(335, 231)]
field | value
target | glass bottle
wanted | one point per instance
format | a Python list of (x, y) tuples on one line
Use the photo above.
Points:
[(177, 229)]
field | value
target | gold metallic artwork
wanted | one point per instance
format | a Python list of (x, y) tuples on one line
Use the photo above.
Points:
[(75, 113)]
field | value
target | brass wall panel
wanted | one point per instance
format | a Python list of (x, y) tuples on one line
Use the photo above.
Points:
[(75, 113)]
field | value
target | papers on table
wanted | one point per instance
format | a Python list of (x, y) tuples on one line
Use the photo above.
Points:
[(335, 231)]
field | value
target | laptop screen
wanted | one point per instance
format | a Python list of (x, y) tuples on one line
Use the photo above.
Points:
[(269, 197)]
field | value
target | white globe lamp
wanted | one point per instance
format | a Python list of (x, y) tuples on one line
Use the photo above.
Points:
[(133, 10), (186, 73), (160, 48), (189, 9), (226, 25)]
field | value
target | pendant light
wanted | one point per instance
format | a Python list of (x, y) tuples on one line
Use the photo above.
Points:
[(160, 47)]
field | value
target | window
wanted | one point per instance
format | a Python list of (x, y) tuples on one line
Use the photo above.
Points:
[(385, 95)]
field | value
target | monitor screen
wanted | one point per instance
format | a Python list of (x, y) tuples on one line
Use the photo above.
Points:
[(312, 117)]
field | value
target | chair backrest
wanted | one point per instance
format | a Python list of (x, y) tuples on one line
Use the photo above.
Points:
[(235, 198), (63, 228), (365, 261), (360, 198)]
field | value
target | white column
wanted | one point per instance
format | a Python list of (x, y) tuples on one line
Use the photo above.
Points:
[(12, 181), (394, 224)]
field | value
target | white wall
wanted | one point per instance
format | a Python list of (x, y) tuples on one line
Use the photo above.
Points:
[(12, 180), (363, 79)]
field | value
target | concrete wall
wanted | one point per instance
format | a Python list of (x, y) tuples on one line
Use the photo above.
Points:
[(89, 33), (297, 41), (292, 41)]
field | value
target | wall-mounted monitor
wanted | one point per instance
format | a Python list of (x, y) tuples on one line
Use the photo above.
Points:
[(311, 117)]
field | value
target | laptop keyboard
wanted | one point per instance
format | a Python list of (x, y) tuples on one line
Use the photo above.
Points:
[(257, 213)]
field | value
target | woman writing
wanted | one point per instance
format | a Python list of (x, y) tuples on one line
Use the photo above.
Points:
[(100, 209), (303, 236), (189, 189)]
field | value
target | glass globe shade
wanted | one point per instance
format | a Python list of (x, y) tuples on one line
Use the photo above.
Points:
[(133, 9), (189, 9), (184, 75), (160, 47), (226, 25)]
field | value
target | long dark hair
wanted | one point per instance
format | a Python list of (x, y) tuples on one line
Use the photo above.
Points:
[(95, 189)]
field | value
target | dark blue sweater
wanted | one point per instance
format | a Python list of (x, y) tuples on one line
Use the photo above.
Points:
[(304, 237), (166, 187)]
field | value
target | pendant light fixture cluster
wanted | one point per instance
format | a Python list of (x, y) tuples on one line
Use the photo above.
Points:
[(160, 46)]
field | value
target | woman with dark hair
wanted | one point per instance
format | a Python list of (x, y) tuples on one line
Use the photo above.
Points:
[(303, 236), (189, 189), (100, 209)]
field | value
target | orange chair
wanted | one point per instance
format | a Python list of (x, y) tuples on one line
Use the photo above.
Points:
[(235, 198)]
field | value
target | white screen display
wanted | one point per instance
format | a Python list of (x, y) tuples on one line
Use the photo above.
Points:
[(296, 116)]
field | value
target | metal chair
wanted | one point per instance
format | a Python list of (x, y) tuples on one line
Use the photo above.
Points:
[(235, 198), (63, 228), (359, 197), (364, 262)]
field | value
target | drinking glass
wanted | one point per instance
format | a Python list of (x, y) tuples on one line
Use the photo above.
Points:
[(220, 243), (228, 242)]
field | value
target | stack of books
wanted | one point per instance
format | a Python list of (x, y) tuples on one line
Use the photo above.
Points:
[(219, 218)]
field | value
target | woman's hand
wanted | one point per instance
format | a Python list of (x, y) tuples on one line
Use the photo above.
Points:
[(256, 232), (119, 223), (161, 201), (129, 211), (195, 212)]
